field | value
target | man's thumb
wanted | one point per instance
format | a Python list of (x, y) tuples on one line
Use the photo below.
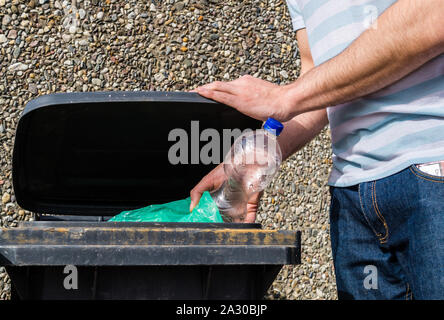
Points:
[(192, 205), (194, 201)]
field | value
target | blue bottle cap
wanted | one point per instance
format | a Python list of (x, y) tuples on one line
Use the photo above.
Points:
[(273, 126)]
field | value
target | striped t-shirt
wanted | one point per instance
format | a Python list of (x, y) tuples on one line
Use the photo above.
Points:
[(384, 132)]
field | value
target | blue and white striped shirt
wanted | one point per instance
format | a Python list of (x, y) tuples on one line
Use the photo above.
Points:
[(384, 132)]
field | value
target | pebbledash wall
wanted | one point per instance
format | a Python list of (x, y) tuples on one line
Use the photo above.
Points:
[(101, 45)]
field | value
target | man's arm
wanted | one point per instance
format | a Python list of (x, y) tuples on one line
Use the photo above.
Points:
[(297, 132), (303, 128), (408, 34)]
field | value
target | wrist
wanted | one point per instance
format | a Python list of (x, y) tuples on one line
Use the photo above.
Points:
[(307, 93), (289, 102)]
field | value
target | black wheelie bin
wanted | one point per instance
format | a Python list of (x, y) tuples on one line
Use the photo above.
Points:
[(81, 158)]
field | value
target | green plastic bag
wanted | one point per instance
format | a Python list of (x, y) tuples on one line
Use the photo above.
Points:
[(176, 211)]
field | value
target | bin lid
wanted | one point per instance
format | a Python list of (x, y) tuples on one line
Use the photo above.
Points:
[(98, 153)]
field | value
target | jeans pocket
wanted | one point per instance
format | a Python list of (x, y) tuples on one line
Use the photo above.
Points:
[(425, 176), (371, 211)]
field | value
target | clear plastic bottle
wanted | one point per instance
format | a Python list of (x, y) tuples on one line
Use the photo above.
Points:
[(251, 164)]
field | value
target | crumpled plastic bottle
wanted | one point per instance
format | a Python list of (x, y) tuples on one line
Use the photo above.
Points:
[(250, 166)]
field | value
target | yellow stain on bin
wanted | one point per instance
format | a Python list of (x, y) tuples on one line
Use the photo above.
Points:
[(145, 236)]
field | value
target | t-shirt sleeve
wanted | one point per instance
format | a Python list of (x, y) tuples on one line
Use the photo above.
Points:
[(296, 15)]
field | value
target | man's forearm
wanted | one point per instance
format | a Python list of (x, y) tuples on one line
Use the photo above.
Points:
[(408, 34), (300, 130)]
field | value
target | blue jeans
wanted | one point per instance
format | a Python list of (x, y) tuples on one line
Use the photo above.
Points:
[(388, 237)]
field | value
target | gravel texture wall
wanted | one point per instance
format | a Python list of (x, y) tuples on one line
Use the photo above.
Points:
[(98, 45)]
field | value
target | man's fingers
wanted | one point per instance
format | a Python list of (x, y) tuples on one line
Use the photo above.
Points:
[(196, 193), (252, 206), (210, 182), (254, 198), (218, 96), (250, 217), (195, 196), (227, 87)]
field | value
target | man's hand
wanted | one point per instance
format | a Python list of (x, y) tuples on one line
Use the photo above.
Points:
[(212, 182), (254, 97)]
